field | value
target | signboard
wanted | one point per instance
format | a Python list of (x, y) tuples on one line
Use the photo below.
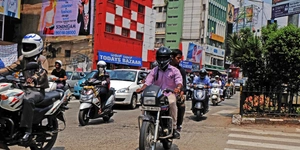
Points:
[(186, 64), (215, 51), (230, 13), (217, 37), (66, 17), (119, 59), (10, 8), (194, 53), (281, 8)]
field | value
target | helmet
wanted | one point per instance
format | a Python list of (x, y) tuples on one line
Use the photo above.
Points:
[(163, 57), (217, 76), (101, 64), (32, 45), (59, 62), (202, 73)]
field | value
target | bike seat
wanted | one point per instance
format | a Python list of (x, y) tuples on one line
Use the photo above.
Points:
[(49, 99)]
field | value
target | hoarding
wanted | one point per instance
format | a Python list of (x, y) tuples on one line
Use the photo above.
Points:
[(230, 13), (195, 53), (10, 8), (281, 8)]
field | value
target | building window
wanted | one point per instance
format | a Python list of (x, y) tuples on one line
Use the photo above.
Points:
[(127, 3), (173, 7), (141, 8), (172, 16), (160, 25), (125, 32), (67, 53), (174, 24), (111, 1), (109, 28), (170, 33), (139, 36), (160, 9), (171, 41)]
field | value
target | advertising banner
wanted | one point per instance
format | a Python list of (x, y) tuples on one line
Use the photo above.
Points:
[(66, 17), (186, 64), (10, 8), (243, 18), (8, 54), (195, 53), (119, 59), (285, 8), (230, 13)]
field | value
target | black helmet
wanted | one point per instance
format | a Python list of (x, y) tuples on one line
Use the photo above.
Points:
[(154, 64), (163, 57), (202, 73)]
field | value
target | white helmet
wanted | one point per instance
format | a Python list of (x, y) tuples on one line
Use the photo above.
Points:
[(101, 63), (32, 45), (217, 76), (59, 62)]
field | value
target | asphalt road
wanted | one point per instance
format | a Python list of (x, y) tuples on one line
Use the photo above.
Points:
[(214, 132)]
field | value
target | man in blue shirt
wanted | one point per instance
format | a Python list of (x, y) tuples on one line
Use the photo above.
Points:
[(204, 79)]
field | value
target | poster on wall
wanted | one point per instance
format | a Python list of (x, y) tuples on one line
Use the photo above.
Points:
[(10, 8), (194, 53), (8, 54), (66, 17)]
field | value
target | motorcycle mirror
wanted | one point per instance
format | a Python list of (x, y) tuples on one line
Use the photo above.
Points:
[(32, 66)]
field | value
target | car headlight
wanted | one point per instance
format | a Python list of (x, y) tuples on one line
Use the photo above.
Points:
[(123, 90), (149, 101)]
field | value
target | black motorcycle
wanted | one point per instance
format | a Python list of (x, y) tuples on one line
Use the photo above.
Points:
[(155, 124), (200, 101)]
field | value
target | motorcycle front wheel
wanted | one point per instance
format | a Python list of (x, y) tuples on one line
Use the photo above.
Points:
[(146, 141), (167, 143), (46, 141), (83, 117)]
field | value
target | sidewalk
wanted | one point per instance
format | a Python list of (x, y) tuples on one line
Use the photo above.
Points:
[(238, 120)]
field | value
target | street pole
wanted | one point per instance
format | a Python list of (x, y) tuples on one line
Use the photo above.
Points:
[(262, 14), (293, 19)]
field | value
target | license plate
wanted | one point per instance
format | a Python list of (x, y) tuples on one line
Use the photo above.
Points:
[(150, 108)]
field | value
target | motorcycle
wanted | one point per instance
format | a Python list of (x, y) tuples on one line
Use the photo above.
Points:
[(155, 124), (47, 113), (189, 91), (228, 91), (215, 94), (53, 87), (200, 97), (90, 104)]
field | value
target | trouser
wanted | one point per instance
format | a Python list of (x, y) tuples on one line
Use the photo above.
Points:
[(173, 109), (31, 98), (181, 111), (103, 94)]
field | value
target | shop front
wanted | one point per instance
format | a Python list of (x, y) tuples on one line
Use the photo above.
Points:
[(119, 61)]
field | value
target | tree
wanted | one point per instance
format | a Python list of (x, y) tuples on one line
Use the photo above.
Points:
[(247, 53), (283, 55)]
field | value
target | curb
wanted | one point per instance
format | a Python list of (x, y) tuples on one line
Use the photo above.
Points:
[(238, 120)]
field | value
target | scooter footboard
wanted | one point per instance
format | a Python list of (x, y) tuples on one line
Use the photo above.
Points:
[(85, 106)]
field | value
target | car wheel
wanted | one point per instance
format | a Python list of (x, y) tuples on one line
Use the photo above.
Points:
[(133, 101)]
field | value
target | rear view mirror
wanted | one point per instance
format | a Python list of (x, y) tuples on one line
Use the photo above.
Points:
[(32, 66)]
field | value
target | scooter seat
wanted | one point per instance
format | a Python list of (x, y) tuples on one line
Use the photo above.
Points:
[(49, 99)]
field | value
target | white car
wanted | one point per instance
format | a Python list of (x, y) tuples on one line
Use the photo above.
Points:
[(126, 82)]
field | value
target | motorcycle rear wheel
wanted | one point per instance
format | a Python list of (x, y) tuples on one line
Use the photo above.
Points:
[(147, 136), (40, 140), (83, 118), (167, 143)]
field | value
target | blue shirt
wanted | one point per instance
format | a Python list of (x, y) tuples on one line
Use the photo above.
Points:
[(205, 81)]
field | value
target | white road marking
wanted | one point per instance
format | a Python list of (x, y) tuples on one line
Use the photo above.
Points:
[(263, 132), (264, 138), (262, 145)]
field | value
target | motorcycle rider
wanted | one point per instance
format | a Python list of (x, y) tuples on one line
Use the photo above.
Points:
[(176, 59), (60, 73), (219, 82), (32, 46), (167, 77), (204, 79), (102, 76)]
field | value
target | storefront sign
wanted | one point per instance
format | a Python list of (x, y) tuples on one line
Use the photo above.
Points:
[(186, 64), (214, 50), (119, 59), (66, 18), (282, 8), (10, 8), (217, 37)]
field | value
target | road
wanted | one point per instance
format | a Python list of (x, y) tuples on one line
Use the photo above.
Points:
[(214, 132)]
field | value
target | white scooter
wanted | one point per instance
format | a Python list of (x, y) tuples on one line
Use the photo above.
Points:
[(215, 94), (53, 87)]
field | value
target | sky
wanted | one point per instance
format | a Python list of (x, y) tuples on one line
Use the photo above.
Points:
[(282, 21)]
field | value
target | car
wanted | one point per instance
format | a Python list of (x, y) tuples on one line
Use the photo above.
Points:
[(72, 78), (126, 82), (77, 88), (237, 84)]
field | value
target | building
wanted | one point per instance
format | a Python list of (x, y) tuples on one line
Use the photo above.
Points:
[(124, 31), (161, 18)]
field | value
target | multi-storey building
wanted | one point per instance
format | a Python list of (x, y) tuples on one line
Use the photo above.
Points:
[(161, 18), (124, 32)]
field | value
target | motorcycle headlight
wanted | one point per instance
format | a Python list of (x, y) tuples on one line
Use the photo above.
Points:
[(123, 90), (149, 101)]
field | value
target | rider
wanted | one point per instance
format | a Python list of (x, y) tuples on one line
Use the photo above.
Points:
[(103, 76), (219, 82), (167, 77), (32, 46), (176, 59), (202, 79), (60, 73)]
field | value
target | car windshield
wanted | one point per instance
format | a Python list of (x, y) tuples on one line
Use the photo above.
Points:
[(123, 75), (90, 75)]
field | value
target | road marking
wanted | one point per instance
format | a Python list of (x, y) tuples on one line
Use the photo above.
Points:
[(223, 112), (262, 145), (264, 138), (254, 131), (297, 130), (230, 149)]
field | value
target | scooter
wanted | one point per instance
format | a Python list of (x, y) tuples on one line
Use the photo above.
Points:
[(53, 87), (215, 94), (228, 91), (200, 97), (52, 83), (90, 104), (189, 91)]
